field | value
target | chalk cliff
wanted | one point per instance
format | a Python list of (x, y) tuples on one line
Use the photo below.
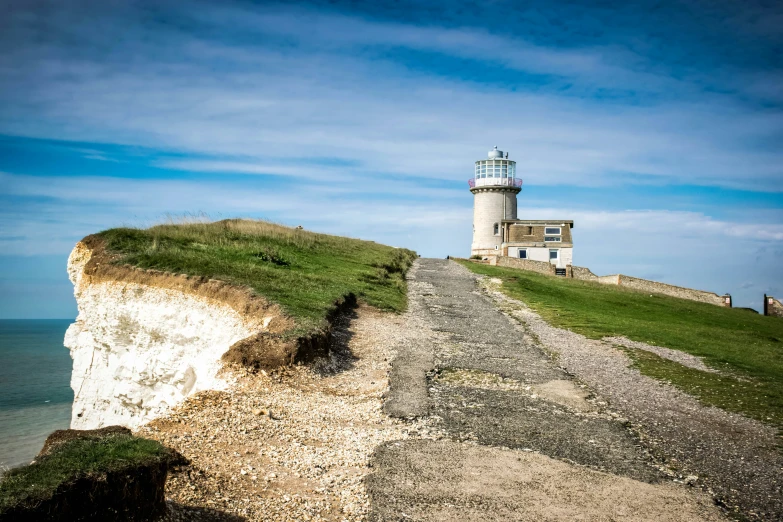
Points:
[(143, 340)]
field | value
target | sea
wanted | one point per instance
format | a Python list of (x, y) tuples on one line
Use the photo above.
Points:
[(35, 391)]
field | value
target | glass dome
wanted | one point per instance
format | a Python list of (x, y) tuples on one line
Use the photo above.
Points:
[(496, 168)]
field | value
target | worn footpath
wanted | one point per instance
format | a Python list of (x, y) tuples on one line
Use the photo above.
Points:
[(524, 440), (466, 407)]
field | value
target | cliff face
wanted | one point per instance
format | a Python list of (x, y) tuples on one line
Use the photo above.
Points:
[(143, 341)]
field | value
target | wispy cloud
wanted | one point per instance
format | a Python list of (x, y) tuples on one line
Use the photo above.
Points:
[(323, 94)]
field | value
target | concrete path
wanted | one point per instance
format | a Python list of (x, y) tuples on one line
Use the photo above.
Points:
[(522, 439)]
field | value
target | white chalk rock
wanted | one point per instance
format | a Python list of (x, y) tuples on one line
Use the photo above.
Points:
[(138, 350)]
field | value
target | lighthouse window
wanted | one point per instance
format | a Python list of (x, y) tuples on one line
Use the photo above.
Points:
[(496, 229)]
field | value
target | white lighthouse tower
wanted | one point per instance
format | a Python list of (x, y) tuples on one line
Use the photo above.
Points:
[(495, 188)]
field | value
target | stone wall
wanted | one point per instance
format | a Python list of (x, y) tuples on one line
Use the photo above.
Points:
[(613, 279), (772, 306), (526, 264), (645, 285), (583, 273), (485, 253), (635, 283)]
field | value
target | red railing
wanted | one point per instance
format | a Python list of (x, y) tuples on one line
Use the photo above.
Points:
[(506, 182)]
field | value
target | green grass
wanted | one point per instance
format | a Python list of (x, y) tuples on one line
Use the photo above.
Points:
[(75, 458), (302, 271), (748, 396), (747, 348)]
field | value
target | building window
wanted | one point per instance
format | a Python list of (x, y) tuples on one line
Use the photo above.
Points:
[(522, 253), (551, 238), (496, 229), (553, 254), (552, 231)]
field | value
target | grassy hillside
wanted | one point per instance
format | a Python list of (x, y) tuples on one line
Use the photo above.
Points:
[(303, 271), (746, 347)]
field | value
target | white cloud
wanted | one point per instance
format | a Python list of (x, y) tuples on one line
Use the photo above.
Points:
[(190, 95)]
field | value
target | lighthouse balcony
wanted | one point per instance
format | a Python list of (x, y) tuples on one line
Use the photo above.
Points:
[(494, 182)]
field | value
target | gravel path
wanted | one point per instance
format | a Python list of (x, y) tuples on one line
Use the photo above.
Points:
[(735, 458), (407, 396), (523, 439)]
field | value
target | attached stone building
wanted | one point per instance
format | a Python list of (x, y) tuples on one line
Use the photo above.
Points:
[(496, 229), (538, 240)]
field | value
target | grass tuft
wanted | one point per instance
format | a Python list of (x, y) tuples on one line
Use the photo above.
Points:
[(744, 347)]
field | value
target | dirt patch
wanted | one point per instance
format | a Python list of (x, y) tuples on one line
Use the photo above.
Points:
[(445, 481), (479, 379), (267, 350), (566, 393), (560, 391)]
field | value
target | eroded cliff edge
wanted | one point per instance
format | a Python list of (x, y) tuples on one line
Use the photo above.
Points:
[(144, 340)]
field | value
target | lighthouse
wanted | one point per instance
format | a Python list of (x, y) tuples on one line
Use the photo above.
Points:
[(497, 232), (495, 188)]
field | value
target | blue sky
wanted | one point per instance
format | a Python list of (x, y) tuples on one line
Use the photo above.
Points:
[(656, 126)]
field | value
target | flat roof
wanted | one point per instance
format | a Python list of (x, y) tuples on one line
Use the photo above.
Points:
[(562, 222)]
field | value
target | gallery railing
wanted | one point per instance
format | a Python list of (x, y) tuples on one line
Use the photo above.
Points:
[(504, 182)]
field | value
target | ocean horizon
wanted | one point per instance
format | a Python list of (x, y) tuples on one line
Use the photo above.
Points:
[(35, 391)]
